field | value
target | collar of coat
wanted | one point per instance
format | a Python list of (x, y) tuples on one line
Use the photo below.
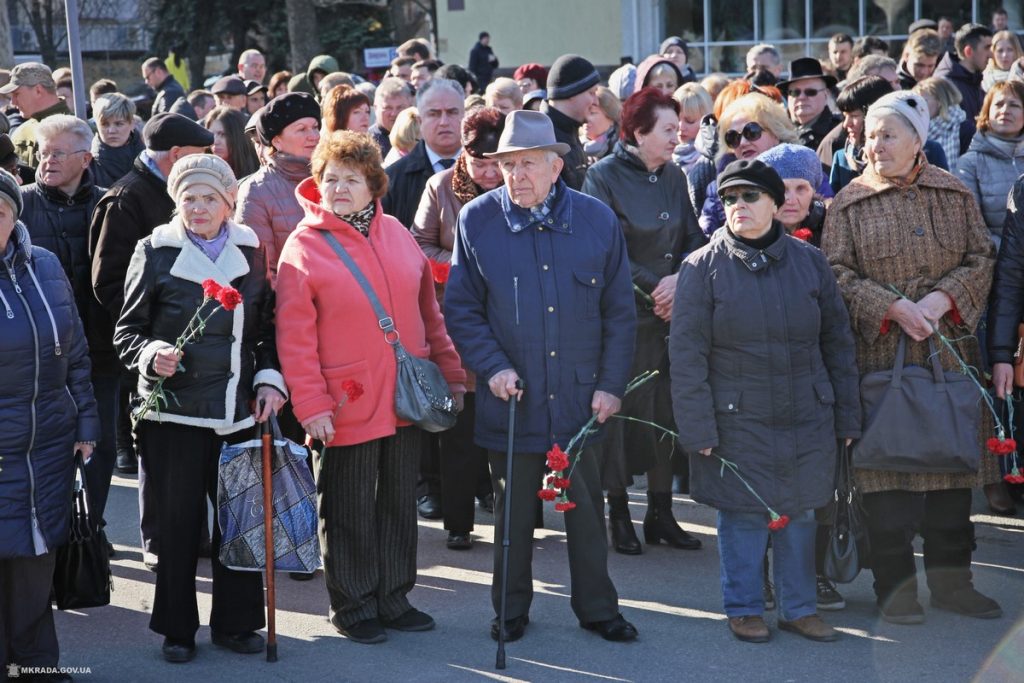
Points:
[(753, 258), (870, 184), (195, 266), (559, 219)]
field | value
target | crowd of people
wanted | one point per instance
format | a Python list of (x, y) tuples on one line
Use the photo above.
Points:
[(762, 241)]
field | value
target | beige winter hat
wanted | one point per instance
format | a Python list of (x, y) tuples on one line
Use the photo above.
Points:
[(206, 169)]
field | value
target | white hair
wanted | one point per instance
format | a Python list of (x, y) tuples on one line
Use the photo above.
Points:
[(58, 124), (439, 83), (251, 52)]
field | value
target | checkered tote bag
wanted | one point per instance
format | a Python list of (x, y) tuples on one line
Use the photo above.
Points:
[(240, 507)]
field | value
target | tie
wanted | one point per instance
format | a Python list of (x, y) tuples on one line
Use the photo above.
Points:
[(446, 163)]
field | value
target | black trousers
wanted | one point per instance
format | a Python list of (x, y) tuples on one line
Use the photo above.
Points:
[(100, 468), (27, 633), (181, 463), (593, 596), (463, 465), (943, 519), (368, 533)]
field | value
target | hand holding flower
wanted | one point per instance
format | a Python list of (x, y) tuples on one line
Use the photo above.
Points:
[(165, 362)]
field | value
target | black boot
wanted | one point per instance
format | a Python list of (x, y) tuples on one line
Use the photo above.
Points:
[(660, 525), (620, 525), (892, 564), (947, 564)]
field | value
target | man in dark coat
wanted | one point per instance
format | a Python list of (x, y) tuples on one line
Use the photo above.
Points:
[(391, 97), (540, 289), (168, 90), (964, 70), (482, 60), (128, 212), (571, 92), (440, 103), (807, 92)]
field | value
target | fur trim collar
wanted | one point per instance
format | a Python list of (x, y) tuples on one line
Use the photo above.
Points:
[(193, 265)]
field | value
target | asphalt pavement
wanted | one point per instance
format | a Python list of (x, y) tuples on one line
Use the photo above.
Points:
[(672, 596)]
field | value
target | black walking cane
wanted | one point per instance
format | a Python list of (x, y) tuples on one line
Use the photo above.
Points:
[(505, 524)]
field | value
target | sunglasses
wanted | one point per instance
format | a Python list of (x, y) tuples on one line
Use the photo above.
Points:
[(810, 92), (748, 197), (752, 131)]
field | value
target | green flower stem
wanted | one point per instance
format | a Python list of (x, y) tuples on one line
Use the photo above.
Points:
[(643, 295)]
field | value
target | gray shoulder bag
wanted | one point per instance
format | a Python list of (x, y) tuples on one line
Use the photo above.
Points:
[(421, 391)]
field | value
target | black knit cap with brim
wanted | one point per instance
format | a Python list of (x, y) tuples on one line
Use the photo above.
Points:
[(753, 173), (570, 75), (283, 111), (10, 192)]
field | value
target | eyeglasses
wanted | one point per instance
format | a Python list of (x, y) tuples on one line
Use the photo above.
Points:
[(809, 92), (752, 131), (59, 157), (748, 197)]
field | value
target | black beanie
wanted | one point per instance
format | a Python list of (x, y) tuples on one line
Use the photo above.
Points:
[(756, 173), (570, 75), (282, 111)]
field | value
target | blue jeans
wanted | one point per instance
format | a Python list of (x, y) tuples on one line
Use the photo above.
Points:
[(742, 539)]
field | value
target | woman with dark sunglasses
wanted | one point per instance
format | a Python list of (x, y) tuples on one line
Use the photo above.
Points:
[(767, 380)]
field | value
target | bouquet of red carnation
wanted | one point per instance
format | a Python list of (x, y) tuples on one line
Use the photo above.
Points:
[(440, 271), (227, 298)]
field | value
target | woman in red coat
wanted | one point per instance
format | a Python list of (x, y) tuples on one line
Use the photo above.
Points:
[(329, 341)]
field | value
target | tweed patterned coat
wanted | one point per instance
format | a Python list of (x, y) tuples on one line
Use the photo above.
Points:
[(924, 237)]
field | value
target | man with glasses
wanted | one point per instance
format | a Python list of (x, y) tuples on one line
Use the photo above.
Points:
[(34, 93), (168, 90), (807, 92)]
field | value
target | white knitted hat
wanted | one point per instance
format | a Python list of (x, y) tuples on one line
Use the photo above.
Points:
[(206, 169), (907, 104)]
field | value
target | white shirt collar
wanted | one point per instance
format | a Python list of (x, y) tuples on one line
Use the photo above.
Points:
[(434, 157)]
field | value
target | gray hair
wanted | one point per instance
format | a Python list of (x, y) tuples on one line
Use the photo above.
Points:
[(114, 106), (58, 124), (871, 65), (439, 83), (390, 87), (763, 49), (251, 52)]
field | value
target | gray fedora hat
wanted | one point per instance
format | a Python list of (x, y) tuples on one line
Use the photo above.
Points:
[(527, 130)]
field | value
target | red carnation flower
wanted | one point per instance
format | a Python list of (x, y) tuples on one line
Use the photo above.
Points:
[(561, 483), (353, 389), (803, 234), (1009, 446), (564, 506), (778, 522), (557, 459), (211, 289), (1000, 446), (440, 271), (547, 494), (1013, 479), (229, 298)]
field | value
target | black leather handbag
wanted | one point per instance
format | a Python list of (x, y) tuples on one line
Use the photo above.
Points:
[(82, 576), (421, 392), (848, 547)]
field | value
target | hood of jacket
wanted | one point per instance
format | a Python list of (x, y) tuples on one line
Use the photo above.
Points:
[(325, 63), (706, 141), (648, 64), (995, 146), (950, 68), (22, 247)]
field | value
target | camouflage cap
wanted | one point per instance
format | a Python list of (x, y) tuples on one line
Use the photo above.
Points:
[(29, 74)]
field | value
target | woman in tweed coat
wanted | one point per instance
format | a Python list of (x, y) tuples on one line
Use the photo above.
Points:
[(909, 225)]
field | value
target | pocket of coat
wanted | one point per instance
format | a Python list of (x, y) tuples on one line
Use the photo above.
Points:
[(727, 402), (362, 407), (825, 393), (588, 293), (586, 374)]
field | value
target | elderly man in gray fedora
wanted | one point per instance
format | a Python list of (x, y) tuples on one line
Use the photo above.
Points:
[(540, 291)]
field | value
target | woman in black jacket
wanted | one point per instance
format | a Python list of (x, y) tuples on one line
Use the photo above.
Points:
[(647, 192), (211, 387), (764, 376), (48, 412)]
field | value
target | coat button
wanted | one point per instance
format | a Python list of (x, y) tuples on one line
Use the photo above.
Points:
[(230, 375), (593, 280), (911, 195), (552, 354), (667, 257), (540, 228), (730, 406), (919, 231), (652, 178), (551, 397), (544, 267), (551, 309), (663, 215)]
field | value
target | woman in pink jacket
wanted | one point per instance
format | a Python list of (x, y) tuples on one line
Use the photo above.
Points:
[(331, 346)]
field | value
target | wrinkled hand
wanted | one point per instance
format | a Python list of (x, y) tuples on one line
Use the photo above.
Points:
[(934, 305), (460, 401), (165, 362), (86, 449), (503, 384), (911, 318), (268, 400), (1002, 379), (321, 429), (605, 405), (664, 311), (665, 290)]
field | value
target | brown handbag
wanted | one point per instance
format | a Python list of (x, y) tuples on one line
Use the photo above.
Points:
[(1018, 358)]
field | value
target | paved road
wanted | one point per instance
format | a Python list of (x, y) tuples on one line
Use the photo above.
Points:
[(672, 596)]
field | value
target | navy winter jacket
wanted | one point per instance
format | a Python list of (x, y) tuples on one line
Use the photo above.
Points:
[(551, 300), (46, 400)]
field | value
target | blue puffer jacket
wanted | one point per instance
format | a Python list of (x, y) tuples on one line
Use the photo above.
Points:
[(552, 300), (46, 400)]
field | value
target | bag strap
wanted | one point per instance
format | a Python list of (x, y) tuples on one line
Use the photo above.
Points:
[(933, 357), (386, 323)]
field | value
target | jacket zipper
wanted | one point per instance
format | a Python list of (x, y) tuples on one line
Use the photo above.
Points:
[(515, 291), (49, 311), (32, 407)]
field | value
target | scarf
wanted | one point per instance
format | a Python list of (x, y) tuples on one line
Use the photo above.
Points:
[(360, 220), (855, 156), (910, 178), (463, 187)]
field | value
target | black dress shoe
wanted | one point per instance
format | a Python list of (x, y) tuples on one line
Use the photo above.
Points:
[(429, 506), (616, 629), (514, 628), (410, 620), (127, 462), (301, 576), (459, 541), (367, 631), (248, 643), (179, 651), (486, 502), (110, 549)]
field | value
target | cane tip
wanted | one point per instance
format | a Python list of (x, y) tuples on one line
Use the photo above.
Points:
[(272, 652)]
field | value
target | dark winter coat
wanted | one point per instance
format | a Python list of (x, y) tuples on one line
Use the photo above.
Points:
[(407, 178), (703, 171), (1006, 301), (763, 372), (237, 350), (482, 63), (969, 85), (382, 138), (551, 300), (110, 164), (567, 130), (167, 93), (812, 133), (46, 400), (60, 224)]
